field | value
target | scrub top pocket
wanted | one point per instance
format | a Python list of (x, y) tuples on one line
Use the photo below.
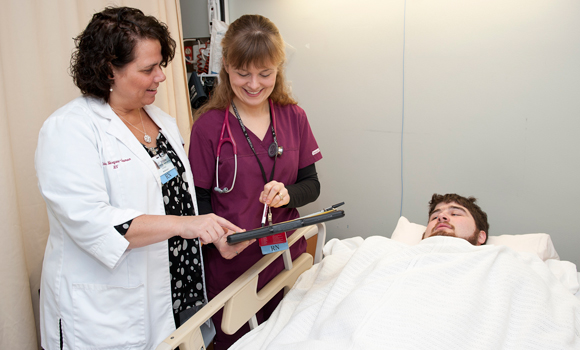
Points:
[(108, 317)]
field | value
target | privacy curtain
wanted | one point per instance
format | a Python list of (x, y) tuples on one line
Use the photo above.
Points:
[(36, 42)]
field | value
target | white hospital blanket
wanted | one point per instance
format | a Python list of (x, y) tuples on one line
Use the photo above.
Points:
[(442, 293)]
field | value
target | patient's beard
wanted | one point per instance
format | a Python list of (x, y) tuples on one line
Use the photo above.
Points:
[(444, 232), (471, 239)]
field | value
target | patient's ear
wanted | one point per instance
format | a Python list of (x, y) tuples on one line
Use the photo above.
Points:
[(481, 238)]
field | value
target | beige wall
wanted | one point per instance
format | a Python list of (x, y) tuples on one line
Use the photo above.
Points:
[(491, 107)]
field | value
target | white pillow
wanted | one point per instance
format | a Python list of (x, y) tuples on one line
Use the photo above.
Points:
[(539, 243)]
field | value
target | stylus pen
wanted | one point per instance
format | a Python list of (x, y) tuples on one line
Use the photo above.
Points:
[(264, 215), (333, 207)]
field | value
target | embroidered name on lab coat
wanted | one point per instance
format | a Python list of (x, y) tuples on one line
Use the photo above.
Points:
[(115, 163)]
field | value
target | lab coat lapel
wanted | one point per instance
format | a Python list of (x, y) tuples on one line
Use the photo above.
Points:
[(119, 130), (161, 125), (174, 138), (176, 144)]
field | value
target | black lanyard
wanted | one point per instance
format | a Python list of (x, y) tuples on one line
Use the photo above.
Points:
[(252, 146)]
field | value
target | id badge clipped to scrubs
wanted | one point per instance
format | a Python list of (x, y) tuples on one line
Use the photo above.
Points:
[(273, 243), (166, 169)]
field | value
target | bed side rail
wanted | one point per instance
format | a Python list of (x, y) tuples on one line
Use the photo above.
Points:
[(240, 299)]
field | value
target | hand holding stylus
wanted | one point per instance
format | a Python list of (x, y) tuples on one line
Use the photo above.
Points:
[(275, 194)]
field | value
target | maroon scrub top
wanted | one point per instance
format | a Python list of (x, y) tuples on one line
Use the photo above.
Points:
[(241, 206)]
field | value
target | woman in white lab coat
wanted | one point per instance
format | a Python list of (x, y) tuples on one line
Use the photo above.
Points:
[(122, 266)]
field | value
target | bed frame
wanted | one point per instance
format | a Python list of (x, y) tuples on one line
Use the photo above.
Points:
[(243, 297)]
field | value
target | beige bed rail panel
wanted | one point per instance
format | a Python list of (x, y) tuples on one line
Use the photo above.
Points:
[(244, 304), (188, 336)]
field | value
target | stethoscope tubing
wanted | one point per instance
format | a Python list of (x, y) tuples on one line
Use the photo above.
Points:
[(230, 138)]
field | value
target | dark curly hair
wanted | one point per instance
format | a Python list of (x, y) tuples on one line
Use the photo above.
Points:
[(109, 40), (479, 216)]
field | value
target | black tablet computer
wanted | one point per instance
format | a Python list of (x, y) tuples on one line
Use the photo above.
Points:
[(286, 226)]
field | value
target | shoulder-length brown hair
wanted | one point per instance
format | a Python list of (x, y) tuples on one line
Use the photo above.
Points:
[(250, 40)]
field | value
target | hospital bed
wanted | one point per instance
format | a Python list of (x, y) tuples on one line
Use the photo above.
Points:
[(240, 300)]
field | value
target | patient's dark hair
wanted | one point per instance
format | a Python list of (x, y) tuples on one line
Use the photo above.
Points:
[(109, 40), (479, 215)]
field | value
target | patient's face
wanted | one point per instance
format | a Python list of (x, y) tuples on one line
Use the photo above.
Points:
[(452, 219)]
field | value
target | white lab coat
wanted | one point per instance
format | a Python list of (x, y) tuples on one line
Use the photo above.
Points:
[(94, 174)]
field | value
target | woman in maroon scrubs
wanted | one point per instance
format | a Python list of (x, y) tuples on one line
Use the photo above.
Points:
[(276, 152)]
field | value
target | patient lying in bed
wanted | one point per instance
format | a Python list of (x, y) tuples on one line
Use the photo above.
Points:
[(456, 216), (445, 292)]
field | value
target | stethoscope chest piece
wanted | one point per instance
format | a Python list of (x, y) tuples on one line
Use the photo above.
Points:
[(274, 150)]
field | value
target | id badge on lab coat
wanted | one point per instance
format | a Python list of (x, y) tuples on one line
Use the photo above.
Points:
[(166, 169)]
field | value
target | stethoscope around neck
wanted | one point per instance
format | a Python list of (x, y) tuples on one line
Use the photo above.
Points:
[(273, 150)]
